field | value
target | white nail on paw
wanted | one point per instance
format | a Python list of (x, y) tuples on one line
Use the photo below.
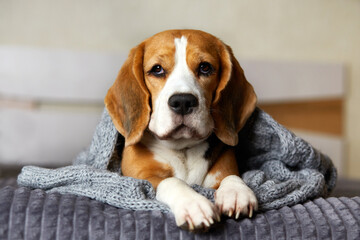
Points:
[(234, 198)]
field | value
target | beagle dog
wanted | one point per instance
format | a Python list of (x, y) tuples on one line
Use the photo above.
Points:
[(180, 100)]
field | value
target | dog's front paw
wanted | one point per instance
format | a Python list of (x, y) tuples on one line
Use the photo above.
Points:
[(195, 212), (233, 198)]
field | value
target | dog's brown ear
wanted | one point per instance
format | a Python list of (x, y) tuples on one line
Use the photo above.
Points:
[(127, 100), (234, 100)]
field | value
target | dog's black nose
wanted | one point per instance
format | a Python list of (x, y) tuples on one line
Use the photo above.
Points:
[(183, 103)]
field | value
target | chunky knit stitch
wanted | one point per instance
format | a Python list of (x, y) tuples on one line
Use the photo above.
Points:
[(279, 167)]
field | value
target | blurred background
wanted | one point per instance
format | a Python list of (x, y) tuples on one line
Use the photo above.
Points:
[(58, 58)]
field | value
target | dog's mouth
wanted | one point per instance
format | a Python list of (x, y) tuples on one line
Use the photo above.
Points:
[(182, 131)]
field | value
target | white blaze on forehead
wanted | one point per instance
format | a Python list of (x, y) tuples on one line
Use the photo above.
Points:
[(180, 46), (182, 80)]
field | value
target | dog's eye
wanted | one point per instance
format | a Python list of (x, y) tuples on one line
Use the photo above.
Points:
[(157, 71), (205, 68)]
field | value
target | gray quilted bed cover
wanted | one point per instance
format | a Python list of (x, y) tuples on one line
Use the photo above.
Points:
[(34, 214)]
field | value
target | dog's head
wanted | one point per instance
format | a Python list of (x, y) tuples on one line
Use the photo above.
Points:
[(181, 85)]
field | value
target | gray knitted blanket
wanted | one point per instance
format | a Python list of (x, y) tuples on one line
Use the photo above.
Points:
[(279, 167)]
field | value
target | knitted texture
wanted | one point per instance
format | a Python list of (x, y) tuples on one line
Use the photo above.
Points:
[(279, 167)]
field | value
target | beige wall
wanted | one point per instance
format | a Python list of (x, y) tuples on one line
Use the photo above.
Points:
[(307, 30)]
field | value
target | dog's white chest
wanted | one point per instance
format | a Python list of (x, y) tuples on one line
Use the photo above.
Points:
[(188, 165)]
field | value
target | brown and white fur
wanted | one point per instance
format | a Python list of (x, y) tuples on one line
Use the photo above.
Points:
[(180, 100)]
